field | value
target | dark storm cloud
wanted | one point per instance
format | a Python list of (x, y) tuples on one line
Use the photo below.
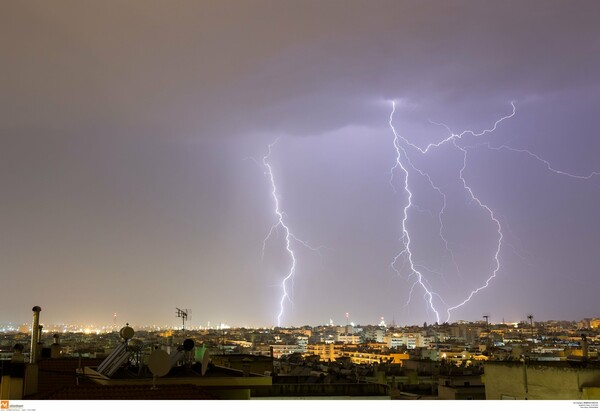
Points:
[(189, 67)]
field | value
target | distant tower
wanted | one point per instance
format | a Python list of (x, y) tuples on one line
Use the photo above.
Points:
[(487, 323), (114, 321), (487, 328), (348, 329), (530, 318)]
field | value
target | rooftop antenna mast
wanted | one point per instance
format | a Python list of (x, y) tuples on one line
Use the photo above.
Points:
[(184, 315)]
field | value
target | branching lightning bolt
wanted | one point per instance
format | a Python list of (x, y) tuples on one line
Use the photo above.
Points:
[(541, 160), (454, 137), (288, 235), (400, 152), (401, 145), (493, 218)]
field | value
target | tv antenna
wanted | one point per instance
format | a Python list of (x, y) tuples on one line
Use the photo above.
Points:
[(185, 315)]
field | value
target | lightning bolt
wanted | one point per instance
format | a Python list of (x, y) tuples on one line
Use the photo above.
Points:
[(407, 252), (287, 233), (541, 160), (289, 237), (492, 217), (454, 137), (403, 162)]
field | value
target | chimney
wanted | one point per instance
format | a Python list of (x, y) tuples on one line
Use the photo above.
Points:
[(18, 353), (55, 348), (31, 372), (584, 347), (35, 334)]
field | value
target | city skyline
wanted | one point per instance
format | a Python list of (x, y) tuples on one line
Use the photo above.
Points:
[(13, 326), (49, 329), (135, 140)]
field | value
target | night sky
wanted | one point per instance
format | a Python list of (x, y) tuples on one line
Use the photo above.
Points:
[(132, 136)]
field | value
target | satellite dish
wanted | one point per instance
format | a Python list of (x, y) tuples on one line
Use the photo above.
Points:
[(188, 344), (126, 332), (159, 363), (205, 361)]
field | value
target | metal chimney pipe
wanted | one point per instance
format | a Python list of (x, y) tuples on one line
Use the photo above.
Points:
[(35, 329), (55, 349)]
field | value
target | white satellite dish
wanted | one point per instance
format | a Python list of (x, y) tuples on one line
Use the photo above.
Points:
[(159, 363), (205, 361)]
